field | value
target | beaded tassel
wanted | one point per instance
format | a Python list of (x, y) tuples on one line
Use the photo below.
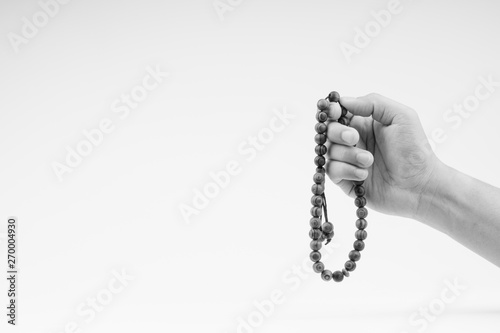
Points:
[(323, 230)]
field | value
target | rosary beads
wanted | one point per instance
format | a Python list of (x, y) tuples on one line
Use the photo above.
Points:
[(321, 231)]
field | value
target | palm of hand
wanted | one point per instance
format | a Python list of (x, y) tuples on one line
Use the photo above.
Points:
[(401, 167)]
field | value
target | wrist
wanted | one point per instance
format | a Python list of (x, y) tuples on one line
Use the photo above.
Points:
[(432, 205)]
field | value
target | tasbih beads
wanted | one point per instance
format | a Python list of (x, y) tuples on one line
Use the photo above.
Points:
[(323, 230)]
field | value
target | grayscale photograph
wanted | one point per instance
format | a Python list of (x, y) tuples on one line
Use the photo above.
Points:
[(249, 166)]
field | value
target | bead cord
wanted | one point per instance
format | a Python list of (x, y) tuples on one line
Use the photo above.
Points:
[(325, 211), (321, 231)]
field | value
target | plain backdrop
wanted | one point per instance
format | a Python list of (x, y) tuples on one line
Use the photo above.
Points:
[(231, 71)]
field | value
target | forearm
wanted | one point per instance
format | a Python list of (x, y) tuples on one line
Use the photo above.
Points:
[(464, 208)]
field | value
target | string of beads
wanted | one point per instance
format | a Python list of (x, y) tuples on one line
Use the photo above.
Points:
[(323, 230)]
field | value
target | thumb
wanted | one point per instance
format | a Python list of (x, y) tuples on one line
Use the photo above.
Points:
[(382, 109)]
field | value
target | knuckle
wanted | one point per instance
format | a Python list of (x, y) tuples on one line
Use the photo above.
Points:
[(345, 154), (373, 96), (413, 113), (336, 169), (340, 153)]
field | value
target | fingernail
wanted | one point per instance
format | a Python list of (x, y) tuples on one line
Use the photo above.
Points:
[(347, 136), (360, 173), (363, 158)]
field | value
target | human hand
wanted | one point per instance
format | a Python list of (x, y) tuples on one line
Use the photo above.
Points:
[(392, 153)]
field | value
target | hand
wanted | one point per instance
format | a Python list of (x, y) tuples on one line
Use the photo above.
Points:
[(392, 154)]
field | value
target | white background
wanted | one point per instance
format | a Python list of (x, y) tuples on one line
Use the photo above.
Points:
[(120, 208)]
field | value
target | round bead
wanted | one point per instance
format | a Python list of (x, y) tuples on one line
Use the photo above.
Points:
[(320, 128), (317, 200), (318, 267), (315, 233), (354, 255), (350, 265), (315, 245), (344, 121), (362, 212), (321, 116), (337, 276), (361, 224), (359, 190), (361, 234), (315, 223), (360, 201), (320, 139), (317, 189), (315, 256), (318, 178), (320, 150), (316, 211), (319, 161), (327, 227), (358, 245), (334, 96), (326, 275), (319, 231), (323, 104)]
